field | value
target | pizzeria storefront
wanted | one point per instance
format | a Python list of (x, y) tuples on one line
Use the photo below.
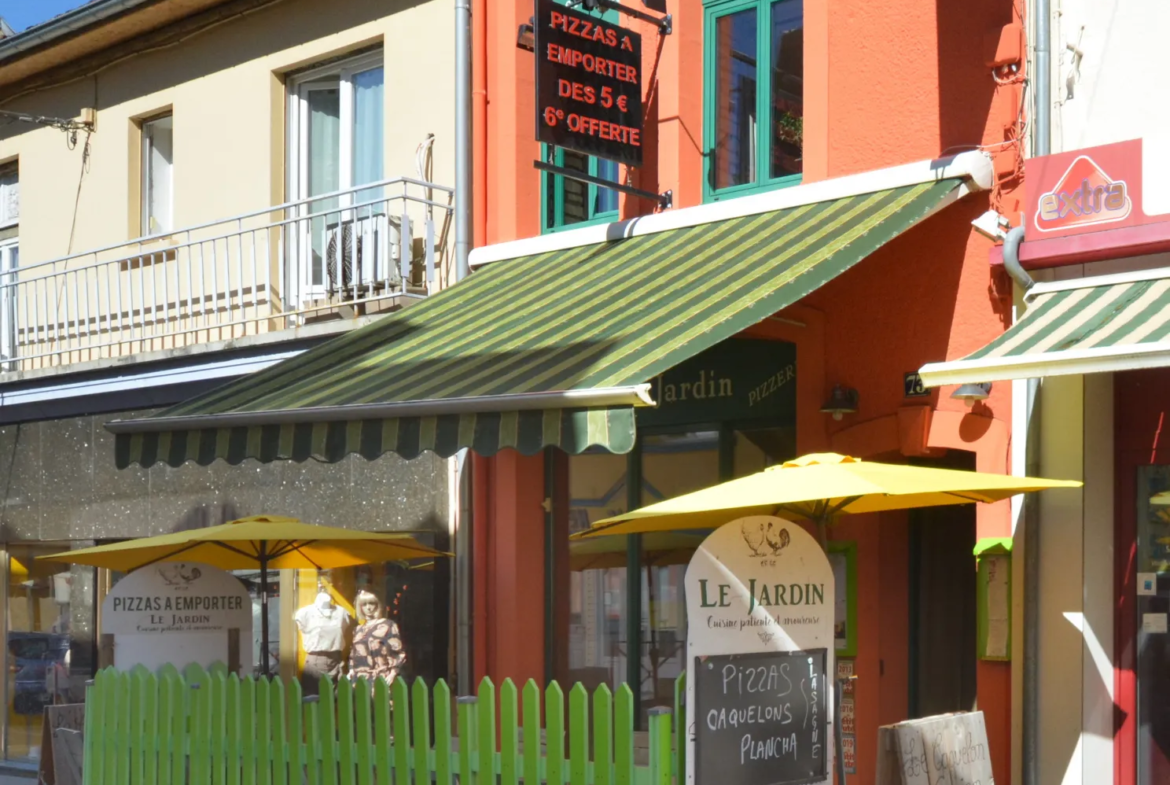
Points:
[(600, 369), (1088, 355)]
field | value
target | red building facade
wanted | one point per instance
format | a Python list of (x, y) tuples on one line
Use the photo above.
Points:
[(746, 97)]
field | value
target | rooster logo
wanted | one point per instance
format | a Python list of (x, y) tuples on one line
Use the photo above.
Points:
[(765, 538), (178, 574)]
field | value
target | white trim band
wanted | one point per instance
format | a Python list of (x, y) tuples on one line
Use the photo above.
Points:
[(1070, 284), (636, 395), (1106, 359), (974, 167)]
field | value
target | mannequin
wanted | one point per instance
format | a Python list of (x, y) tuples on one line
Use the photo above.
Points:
[(377, 647), (324, 628)]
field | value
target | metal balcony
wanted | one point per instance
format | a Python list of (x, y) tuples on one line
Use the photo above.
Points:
[(335, 256)]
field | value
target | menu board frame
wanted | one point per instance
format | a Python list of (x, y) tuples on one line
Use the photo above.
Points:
[(702, 665)]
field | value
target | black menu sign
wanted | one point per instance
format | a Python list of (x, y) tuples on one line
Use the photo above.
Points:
[(761, 719), (588, 84)]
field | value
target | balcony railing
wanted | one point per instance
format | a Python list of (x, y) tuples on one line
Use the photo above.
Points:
[(335, 255)]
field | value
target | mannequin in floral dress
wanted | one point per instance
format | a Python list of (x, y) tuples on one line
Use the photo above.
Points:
[(377, 647)]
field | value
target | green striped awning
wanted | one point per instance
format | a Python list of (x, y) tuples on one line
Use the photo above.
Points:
[(1085, 325), (543, 350)]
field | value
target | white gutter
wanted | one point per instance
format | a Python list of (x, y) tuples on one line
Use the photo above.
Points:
[(973, 167), (635, 395), (1031, 366)]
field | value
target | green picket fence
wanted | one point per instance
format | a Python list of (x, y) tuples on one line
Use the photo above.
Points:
[(206, 727)]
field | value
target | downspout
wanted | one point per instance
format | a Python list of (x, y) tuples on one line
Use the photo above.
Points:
[(1041, 77), (463, 216), (463, 194)]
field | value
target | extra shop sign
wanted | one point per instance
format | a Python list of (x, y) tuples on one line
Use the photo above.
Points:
[(588, 84)]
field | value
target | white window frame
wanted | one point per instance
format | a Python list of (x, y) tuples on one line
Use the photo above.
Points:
[(6, 190), (144, 179), (341, 75), (9, 261)]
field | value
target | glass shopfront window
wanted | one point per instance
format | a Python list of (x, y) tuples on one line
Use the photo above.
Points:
[(48, 656), (595, 591), (1153, 643), (371, 620)]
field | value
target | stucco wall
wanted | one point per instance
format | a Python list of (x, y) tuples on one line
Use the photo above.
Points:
[(1108, 93), (225, 86)]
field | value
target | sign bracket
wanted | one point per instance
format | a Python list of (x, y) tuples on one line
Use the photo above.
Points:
[(665, 23), (665, 200)]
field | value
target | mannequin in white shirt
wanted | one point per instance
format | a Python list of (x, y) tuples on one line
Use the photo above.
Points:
[(325, 632)]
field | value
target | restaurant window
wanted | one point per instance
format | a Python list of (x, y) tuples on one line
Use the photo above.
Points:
[(753, 115), (373, 620), (49, 648), (568, 203), (591, 635), (158, 169)]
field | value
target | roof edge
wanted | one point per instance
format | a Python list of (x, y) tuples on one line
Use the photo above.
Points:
[(64, 25), (973, 167)]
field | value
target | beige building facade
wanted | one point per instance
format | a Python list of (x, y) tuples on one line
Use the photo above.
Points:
[(191, 190)]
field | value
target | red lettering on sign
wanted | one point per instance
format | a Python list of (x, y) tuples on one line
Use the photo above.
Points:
[(589, 30), (593, 64), (603, 129), (578, 92)]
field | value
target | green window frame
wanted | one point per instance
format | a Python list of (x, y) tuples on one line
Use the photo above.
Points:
[(571, 204), (767, 142)]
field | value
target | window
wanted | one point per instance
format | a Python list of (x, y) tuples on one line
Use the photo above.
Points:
[(571, 203), (567, 203), (753, 116), (336, 116), (9, 260), (9, 197), (158, 163), (593, 579)]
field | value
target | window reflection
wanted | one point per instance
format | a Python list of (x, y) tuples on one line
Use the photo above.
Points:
[(787, 87), (43, 667), (736, 64)]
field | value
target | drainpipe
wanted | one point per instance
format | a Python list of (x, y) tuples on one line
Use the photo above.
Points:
[(1041, 139), (463, 208), (463, 237), (1011, 258)]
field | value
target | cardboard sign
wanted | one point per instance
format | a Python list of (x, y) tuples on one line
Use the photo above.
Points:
[(588, 84), (175, 612), (61, 744), (761, 589), (950, 749)]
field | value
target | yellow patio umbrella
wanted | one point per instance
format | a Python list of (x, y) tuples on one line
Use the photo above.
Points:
[(817, 488), (264, 541)]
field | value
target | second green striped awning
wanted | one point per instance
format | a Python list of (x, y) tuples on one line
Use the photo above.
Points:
[(552, 349), (1086, 325)]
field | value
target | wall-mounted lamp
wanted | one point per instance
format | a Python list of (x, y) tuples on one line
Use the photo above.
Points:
[(526, 37), (970, 393), (992, 225), (842, 401)]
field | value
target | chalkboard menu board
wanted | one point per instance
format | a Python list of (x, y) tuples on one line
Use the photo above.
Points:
[(761, 719)]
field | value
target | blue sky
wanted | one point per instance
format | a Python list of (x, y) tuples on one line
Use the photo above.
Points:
[(22, 14)]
